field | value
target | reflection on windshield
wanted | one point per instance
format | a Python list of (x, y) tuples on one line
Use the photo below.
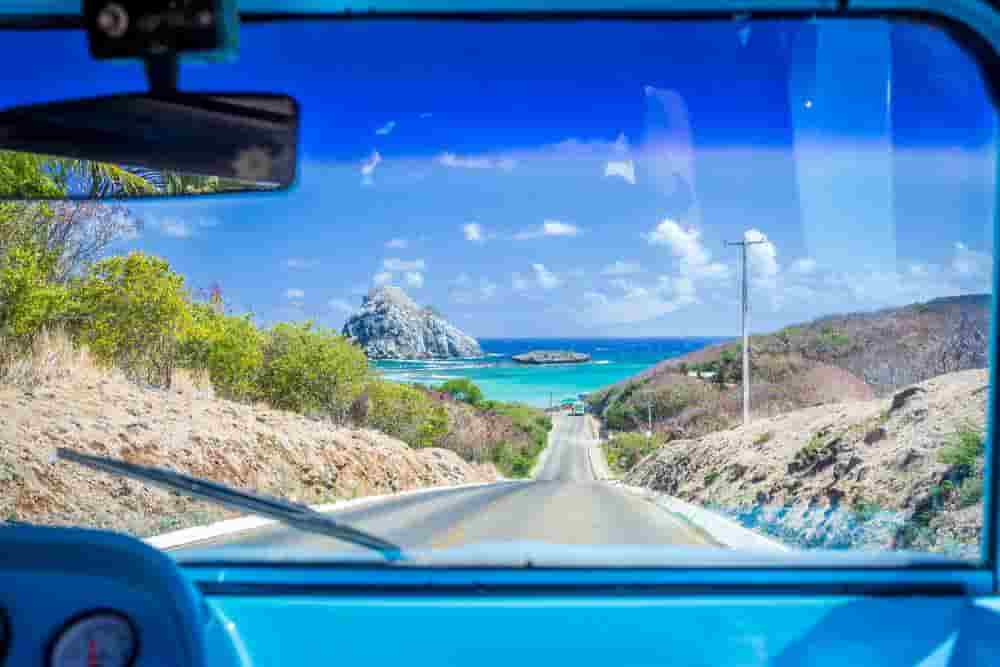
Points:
[(508, 293)]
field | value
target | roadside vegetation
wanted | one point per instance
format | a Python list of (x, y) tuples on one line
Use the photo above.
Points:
[(133, 314), (625, 450), (508, 435)]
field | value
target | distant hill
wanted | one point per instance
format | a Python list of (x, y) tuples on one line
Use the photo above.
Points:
[(853, 356)]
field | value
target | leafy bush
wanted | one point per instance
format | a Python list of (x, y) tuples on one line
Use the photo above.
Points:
[(625, 450), (311, 370), (132, 312), (462, 389), (29, 302), (516, 459), (405, 412), (970, 491), (229, 348), (963, 448)]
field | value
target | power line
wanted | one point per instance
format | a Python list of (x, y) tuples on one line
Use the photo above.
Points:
[(745, 298)]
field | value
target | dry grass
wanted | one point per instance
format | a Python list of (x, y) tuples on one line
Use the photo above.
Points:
[(192, 383), (52, 358)]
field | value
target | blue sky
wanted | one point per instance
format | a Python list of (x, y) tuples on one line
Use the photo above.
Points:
[(581, 178)]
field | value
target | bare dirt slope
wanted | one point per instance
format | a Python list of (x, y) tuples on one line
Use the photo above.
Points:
[(186, 429), (863, 474)]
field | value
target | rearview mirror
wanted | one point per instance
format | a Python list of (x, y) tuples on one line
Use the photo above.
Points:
[(148, 145)]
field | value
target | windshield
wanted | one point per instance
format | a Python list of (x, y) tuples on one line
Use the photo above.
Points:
[(514, 275)]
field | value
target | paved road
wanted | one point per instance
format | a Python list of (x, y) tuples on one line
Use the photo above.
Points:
[(563, 504)]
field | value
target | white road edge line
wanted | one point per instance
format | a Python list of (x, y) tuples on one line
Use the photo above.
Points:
[(722, 529), (195, 534)]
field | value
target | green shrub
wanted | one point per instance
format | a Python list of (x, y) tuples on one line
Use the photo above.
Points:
[(434, 427), (970, 491), (963, 448), (29, 302), (711, 477), (625, 450), (462, 389), (621, 416), (132, 312), (516, 459), (763, 438), (229, 348), (311, 370), (405, 412)]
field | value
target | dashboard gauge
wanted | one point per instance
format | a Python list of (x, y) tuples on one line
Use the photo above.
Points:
[(99, 639)]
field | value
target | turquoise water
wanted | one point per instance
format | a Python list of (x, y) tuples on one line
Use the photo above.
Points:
[(613, 359)]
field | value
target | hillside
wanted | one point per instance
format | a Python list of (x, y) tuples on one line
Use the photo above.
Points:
[(855, 356), (902, 472), (186, 428)]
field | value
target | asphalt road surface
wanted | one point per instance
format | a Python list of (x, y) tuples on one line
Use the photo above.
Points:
[(563, 504)]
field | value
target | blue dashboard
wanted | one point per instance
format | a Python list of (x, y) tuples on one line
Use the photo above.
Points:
[(301, 614)]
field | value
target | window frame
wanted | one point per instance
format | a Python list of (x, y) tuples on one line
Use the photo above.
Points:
[(974, 24)]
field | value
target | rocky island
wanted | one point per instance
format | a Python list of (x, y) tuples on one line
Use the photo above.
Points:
[(551, 357), (390, 325)]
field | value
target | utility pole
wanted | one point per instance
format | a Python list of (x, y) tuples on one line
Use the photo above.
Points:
[(744, 298)]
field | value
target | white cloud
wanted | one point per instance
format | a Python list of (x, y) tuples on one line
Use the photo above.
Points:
[(414, 279), (685, 244), (519, 282), (970, 263), (396, 264), (465, 291), (300, 263), (386, 129), (294, 293), (368, 168), (546, 279), (399, 244), (636, 303), (558, 228), (382, 278), (473, 232), (762, 256), (621, 268), (548, 228), (340, 305), (803, 266), (477, 162), (179, 228), (622, 168)]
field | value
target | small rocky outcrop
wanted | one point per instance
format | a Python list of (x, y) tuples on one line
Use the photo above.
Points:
[(391, 326), (551, 357)]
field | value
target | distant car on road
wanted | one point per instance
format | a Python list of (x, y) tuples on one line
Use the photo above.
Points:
[(578, 408)]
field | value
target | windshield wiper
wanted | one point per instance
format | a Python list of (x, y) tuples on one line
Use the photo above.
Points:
[(289, 513)]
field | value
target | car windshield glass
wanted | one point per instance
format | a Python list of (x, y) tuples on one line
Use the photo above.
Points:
[(500, 315)]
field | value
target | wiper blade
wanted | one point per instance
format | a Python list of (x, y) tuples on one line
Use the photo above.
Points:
[(287, 512)]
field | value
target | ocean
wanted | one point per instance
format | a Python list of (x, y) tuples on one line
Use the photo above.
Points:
[(612, 359)]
